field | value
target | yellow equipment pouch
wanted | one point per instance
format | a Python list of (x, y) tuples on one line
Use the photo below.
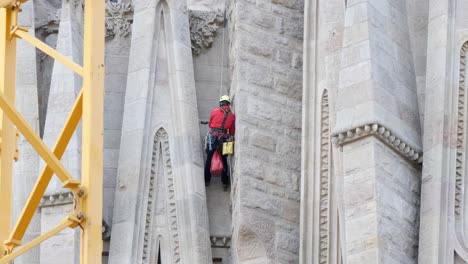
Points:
[(228, 148)]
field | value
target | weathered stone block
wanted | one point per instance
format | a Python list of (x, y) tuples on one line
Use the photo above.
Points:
[(256, 16), (262, 140), (288, 242)]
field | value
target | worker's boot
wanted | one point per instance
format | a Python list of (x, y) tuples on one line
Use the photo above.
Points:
[(225, 187)]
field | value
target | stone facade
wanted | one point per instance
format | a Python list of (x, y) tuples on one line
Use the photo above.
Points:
[(350, 130), (266, 84)]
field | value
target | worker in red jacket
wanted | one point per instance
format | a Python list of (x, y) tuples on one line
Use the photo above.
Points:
[(222, 129)]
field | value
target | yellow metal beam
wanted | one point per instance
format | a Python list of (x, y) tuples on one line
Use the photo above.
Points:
[(89, 106), (7, 89), (23, 34), (37, 144), (47, 173), (67, 222), (93, 129), (4, 3)]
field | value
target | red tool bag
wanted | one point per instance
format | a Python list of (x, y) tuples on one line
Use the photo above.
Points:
[(216, 164)]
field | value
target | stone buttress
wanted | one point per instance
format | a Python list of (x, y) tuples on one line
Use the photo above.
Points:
[(160, 201)]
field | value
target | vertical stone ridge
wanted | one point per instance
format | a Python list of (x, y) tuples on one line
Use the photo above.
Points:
[(460, 222), (324, 179), (149, 205), (161, 147), (460, 132)]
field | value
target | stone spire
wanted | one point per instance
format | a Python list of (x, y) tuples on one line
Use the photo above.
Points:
[(160, 147)]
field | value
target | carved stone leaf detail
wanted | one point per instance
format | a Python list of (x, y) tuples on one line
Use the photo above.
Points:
[(203, 27), (119, 19)]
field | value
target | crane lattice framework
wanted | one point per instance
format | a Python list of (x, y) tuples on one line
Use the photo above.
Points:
[(88, 107)]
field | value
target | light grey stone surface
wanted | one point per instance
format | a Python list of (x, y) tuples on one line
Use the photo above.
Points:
[(27, 167), (322, 57), (266, 84), (116, 59), (64, 247), (443, 202), (418, 12), (364, 53), (381, 204), (206, 5), (381, 68)]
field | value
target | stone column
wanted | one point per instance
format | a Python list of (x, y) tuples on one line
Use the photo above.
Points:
[(444, 202), (378, 135), (322, 57), (119, 17), (27, 168), (65, 86), (266, 74)]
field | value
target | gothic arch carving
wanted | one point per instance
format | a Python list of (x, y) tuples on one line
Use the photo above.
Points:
[(161, 154)]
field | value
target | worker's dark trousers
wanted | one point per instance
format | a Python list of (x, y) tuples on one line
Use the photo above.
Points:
[(217, 144)]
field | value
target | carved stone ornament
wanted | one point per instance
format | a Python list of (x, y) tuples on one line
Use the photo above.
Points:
[(324, 181), (384, 135), (459, 170), (161, 149), (460, 163), (119, 19), (203, 26), (56, 199), (220, 241)]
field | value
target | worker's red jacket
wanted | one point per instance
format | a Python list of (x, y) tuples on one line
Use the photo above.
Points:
[(217, 117)]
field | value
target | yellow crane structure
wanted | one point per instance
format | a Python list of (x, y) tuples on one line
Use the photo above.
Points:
[(88, 108)]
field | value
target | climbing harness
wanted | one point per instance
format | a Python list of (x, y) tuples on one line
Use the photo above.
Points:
[(210, 141)]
